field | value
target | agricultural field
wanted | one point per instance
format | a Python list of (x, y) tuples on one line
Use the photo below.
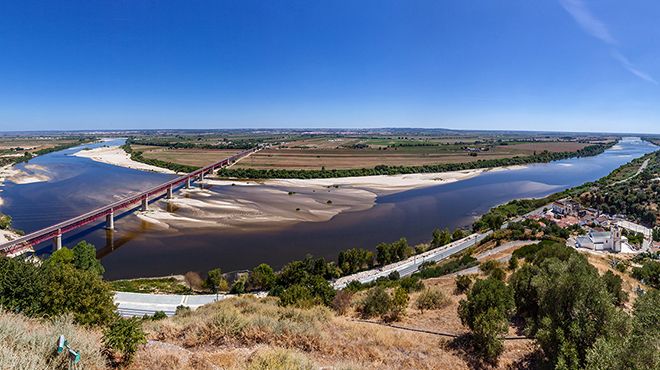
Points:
[(13, 149), (345, 153), (310, 150)]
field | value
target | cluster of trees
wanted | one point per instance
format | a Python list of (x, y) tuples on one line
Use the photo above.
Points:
[(355, 260), (138, 157), (29, 155), (543, 157), (233, 144), (399, 250), (68, 282), (305, 283), (568, 308)]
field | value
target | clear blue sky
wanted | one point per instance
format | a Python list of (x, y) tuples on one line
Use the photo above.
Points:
[(514, 64)]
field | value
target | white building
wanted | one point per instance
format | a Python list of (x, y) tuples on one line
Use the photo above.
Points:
[(601, 241)]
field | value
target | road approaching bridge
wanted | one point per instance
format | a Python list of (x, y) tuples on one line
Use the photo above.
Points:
[(54, 232)]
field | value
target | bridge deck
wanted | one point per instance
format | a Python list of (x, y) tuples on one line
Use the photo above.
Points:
[(50, 232)]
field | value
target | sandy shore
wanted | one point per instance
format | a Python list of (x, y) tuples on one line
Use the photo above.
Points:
[(117, 156)]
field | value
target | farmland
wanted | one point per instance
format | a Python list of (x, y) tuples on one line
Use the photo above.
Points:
[(321, 155), (15, 149), (316, 151)]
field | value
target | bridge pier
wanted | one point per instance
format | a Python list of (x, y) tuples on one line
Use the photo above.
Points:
[(201, 180), (110, 221), (169, 192), (145, 203), (188, 183), (57, 241)]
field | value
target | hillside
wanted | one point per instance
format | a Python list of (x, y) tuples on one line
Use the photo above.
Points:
[(247, 333)]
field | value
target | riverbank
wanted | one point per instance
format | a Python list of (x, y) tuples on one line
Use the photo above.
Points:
[(116, 156)]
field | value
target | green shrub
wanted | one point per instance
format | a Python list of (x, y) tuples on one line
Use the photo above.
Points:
[(398, 305), (463, 283), (376, 303), (431, 299), (122, 339)]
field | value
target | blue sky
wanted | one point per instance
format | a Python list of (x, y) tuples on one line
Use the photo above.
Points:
[(515, 64)]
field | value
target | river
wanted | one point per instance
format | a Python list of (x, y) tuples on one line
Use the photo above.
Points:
[(135, 249)]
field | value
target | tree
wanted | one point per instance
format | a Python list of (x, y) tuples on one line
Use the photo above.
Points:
[(82, 293), (440, 238), (63, 256), (525, 294), (262, 277), (216, 281), (513, 263), (458, 234), (353, 260), (486, 312), (613, 285), (574, 310), (634, 345), (398, 304), (84, 258)]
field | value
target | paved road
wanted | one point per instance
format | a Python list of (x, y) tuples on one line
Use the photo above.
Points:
[(412, 264), (639, 170), (503, 247), (139, 304)]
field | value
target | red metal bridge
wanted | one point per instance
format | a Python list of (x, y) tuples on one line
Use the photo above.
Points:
[(54, 232)]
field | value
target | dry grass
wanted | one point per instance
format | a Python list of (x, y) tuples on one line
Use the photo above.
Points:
[(248, 333), (245, 321), (30, 344)]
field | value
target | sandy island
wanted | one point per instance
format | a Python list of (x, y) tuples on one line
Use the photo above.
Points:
[(117, 156), (272, 202)]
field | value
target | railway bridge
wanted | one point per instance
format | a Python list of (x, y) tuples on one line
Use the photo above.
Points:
[(141, 200)]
